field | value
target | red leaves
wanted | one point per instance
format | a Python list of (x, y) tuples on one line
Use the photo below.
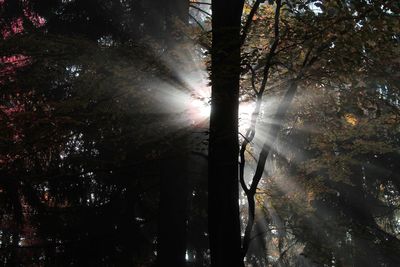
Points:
[(16, 25), (36, 20), (9, 65)]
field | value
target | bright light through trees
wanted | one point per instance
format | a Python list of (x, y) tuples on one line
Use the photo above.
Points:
[(180, 133)]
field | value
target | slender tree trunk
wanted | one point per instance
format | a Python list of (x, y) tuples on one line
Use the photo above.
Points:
[(223, 189)]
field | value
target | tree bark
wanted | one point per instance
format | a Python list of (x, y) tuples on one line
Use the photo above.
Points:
[(223, 185)]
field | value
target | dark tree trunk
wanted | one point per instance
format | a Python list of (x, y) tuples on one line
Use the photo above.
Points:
[(173, 205), (224, 224), (174, 181)]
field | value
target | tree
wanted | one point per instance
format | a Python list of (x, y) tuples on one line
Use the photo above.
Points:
[(223, 191), (303, 54), (85, 90), (313, 65)]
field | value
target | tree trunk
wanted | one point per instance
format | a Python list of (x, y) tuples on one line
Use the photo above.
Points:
[(173, 205), (174, 181), (223, 186)]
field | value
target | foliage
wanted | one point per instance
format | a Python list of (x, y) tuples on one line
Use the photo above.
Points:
[(324, 176)]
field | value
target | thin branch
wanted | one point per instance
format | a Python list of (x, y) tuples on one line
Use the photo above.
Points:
[(285, 251), (253, 79), (201, 10), (273, 47), (197, 22), (249, 19), (244, 137)]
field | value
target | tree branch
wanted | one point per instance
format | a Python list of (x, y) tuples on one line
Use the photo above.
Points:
[(201, 10), (250, 192), (249, 19)]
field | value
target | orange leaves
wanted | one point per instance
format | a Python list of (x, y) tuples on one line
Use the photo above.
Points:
[(263, 12), (351, 119)]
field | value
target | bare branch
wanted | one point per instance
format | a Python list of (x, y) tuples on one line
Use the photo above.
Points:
[(201, 10), (197, 22), (273, 47), (253, 79), (249, 19)]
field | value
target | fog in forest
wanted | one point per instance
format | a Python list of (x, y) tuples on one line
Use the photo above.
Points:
[(179, 133)]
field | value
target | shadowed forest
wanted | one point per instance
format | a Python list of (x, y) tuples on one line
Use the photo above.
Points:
[(183, 133)]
